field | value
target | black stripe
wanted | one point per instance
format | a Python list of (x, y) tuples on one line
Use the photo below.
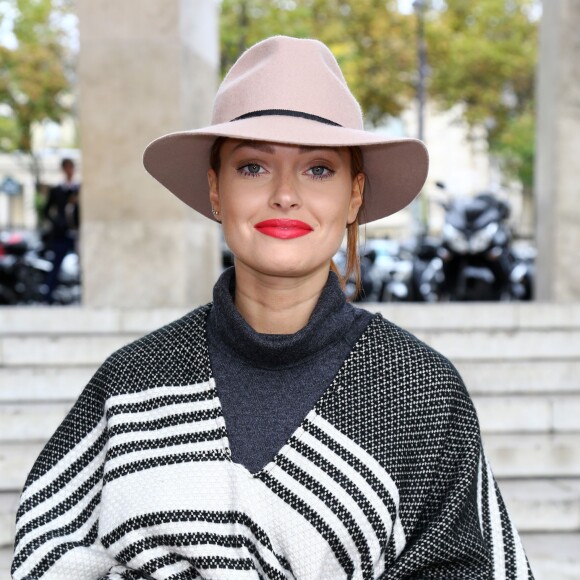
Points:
[(206, 516), (65, 477), (169, 421), (54, 555), (486, 522), (68, 503), (158, 402), (357, 465), (219, 563), (390, 553), (349, 486), (71, 527), (287, 113), (194, 539), (336, 507), (509, 548), (164, 561), (156, 462), (313, 519), (174, 440)]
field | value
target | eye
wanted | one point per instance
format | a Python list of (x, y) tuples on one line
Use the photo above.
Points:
[(251, 170), (320, 172)]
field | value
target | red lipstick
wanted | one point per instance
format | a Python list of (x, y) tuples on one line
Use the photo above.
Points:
[(283, 229)]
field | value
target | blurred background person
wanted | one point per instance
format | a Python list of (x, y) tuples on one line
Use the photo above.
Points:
[(62, 213)]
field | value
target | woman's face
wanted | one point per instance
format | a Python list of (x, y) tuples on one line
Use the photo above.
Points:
[(284, 208)]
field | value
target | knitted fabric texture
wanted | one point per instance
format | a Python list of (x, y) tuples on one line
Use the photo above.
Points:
[(385, 477)]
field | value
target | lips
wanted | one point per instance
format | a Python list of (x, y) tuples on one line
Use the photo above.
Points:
[(283, 229)]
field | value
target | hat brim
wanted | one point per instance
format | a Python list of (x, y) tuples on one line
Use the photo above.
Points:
[(395, 169)]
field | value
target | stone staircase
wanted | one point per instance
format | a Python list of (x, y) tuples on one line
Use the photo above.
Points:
[(521, 363)]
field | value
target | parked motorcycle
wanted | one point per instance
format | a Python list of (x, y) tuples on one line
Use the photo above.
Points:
[(24, 266), (22, 271), (386, 267), (474, 260)]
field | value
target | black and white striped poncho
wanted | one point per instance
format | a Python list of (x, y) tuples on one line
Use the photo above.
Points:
[(384, 478)]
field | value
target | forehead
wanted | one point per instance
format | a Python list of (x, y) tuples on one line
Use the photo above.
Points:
[(271, 147)]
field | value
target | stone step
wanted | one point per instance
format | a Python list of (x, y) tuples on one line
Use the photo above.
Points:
[(470, 316), (512, 457), (543, 505), (5, 562), (59, 349), (525, 376), (533, 455), (492, 345), (43, 383), (553, 556), (8, 506), (466, 316), (477, 349), (24, 320), (528, 413), (521, 377), (497, 414), (475, 345)]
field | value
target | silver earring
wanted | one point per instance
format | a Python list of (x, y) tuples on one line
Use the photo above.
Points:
[(215, 211)]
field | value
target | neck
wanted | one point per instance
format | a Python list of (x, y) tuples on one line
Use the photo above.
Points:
[(277, 305)]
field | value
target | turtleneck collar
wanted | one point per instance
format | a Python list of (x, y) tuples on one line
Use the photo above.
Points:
[(328, 323)]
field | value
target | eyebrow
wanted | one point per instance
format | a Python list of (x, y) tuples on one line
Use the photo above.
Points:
[(267, 148)]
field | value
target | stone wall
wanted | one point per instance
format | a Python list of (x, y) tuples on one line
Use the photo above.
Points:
[(558, 149), (144, 71)]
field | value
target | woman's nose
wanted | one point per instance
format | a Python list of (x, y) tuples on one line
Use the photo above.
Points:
[(285, 193)]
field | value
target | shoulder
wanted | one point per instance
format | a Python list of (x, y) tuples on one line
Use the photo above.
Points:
[(405, 356), (175, 354), (390, 372), (395, 392)]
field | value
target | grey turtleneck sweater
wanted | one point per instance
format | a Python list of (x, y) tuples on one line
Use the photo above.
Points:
[(267, 383)]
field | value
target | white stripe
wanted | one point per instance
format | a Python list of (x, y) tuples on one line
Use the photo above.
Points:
[(157, 392), (228, 574), (496, 528), (174, 568), (374, 544), (154, 454), (96, 563), (161, 413), (169, 431), (189, 487), (83, 445), (33, 559), (59, 499), (376, 468), (345, 498), (200, 550), (479, 484), (369, 493), (320, 508), (521, 561)]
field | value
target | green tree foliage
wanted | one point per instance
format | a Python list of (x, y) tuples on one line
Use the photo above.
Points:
[(481, 57), (33, 79), (516, 146)]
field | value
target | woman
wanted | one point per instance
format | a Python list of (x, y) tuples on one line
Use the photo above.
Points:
[(278, 432)]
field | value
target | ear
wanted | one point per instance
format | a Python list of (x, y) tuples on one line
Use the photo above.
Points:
[(356, 197), (214, 197)]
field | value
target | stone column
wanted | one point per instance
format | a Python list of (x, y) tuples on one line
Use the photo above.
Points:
[(558, 146), (146, 68)]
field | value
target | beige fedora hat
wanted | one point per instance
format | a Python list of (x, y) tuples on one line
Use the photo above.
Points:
[(290, 90)]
